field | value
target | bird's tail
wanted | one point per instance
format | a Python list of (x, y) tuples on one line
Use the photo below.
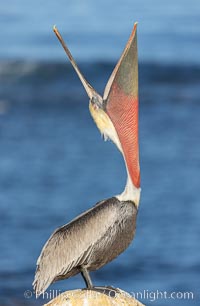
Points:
[(40, 283)]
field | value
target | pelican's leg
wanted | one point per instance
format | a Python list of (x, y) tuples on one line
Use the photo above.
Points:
[(86, 276)]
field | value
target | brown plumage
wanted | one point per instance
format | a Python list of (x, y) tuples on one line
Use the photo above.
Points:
[(91, 240)]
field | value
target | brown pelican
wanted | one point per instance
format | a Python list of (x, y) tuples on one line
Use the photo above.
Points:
[(100, 234)]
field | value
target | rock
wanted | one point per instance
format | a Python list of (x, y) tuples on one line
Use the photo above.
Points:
[(99, 296)]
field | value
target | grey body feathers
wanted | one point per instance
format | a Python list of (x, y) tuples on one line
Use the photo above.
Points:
[(92, 239)]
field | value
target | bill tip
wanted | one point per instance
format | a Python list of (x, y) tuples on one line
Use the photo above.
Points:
[(135, 25)]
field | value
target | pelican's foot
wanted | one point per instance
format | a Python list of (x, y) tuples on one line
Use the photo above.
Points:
[(108, 290)]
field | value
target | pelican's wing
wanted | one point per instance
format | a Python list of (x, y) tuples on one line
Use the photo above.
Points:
[(70, 246)]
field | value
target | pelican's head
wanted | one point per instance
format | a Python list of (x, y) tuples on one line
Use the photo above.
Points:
[(103, 121), (116, 113)]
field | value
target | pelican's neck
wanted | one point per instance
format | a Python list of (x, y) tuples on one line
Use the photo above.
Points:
[(130, 193), (107, 129)]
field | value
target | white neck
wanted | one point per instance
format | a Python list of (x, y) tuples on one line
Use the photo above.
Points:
[(130, 193)]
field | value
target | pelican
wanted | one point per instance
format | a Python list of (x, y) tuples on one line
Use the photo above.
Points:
[(104, 231)]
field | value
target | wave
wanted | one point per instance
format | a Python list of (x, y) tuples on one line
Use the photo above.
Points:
[(24, 81), (51, 70)]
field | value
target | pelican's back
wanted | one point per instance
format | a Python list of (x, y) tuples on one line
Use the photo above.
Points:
[(92, 239)]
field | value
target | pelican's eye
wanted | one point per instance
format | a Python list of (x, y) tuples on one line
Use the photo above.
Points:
[(96, 103)]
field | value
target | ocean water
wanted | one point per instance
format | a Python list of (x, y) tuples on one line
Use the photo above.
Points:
[(168, 31), (54, 164)]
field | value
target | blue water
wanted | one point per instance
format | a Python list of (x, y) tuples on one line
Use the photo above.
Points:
[(168, 30), (54, 164)]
